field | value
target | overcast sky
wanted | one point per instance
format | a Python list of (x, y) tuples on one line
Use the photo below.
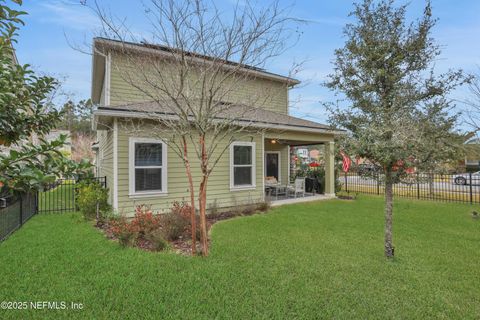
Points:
[(43, 42)]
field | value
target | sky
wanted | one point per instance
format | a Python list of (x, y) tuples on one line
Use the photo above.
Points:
[(53, 26)]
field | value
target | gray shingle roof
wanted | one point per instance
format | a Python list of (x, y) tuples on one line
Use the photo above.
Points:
[(237, 112)]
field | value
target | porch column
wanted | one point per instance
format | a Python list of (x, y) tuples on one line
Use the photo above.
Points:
[(330, 168)]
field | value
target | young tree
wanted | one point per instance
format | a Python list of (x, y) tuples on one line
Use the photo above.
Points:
[(25, 164), (210, 56), (399, 114), (76, 117)]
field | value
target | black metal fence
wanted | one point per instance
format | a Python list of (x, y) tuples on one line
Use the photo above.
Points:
[(59, 196), (428, 186), (15, 210), (56, 197)]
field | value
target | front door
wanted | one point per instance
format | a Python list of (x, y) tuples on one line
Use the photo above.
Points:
[(272, 165)]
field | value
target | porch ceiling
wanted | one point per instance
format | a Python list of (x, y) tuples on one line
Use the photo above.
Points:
[(298, 138)]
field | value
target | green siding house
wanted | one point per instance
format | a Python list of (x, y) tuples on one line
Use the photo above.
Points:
[(238, 178)]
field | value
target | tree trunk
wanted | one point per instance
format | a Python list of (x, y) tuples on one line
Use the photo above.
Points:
[(97, 212), (389, 250), (202, 199), (193, 220), (202, 196)]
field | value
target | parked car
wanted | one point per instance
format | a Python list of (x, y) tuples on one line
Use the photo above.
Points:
[(464, 178)]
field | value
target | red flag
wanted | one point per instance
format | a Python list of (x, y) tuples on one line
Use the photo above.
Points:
[(346, 162)]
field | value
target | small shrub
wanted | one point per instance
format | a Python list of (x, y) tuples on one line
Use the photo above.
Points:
[(156, 238), (264, 206), (174, 226), (182, 209), (188, 228), (249, 209), (92, 200), (213, 208), (145, 221), (176, 222), (236, 208), (123, 231), (347, 195), (126, 238), (156, 229)]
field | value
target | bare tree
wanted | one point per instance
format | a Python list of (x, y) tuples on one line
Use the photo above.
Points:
[(192, 85), (82, 147)]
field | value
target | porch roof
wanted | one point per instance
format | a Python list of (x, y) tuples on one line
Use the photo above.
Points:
[(255, 117)]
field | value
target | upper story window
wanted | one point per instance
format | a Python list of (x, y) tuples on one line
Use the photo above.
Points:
[(147, 166), (242, 165)]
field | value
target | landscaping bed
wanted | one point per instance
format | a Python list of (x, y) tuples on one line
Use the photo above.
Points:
[(171, 231)]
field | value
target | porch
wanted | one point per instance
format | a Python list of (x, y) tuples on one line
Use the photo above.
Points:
[(282, 182)]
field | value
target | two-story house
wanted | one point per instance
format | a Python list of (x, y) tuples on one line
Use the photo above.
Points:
[(161, 180)]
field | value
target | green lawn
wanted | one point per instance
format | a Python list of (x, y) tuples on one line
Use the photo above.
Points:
[(317, 260)]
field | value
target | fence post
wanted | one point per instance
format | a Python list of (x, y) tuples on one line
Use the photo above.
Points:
[(418, 185), (378, 183), (471, 193), (346, 184), (37, 195), (21, 209)]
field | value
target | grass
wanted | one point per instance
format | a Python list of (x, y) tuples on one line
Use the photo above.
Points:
[(309, 261), (59, 198)]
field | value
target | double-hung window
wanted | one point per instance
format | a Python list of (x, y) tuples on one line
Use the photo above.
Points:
[(147, 166), (242, 165)]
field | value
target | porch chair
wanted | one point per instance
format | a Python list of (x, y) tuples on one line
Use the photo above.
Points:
[(297, 188)]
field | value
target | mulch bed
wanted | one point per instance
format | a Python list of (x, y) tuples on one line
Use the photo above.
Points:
[(183, 245)]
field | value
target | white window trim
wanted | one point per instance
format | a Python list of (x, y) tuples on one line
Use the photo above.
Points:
[(279, 154), (253, 165), (131, 169)]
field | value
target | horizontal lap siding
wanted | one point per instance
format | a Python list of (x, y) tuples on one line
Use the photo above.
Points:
[(218, 183), (257, 92), (105, 143)]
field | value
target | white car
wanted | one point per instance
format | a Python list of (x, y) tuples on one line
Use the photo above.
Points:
[(464, 178)]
